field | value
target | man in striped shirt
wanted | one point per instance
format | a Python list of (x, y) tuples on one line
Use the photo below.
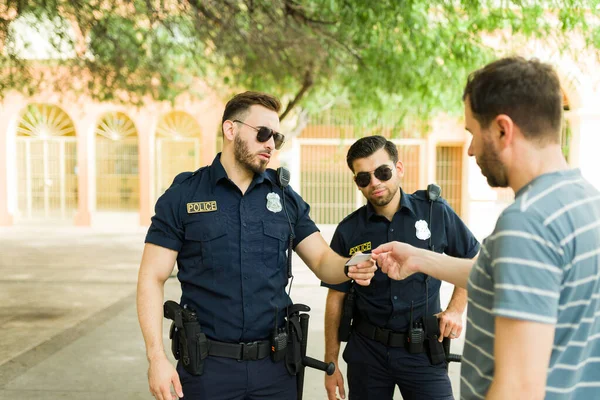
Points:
[(533, 321)]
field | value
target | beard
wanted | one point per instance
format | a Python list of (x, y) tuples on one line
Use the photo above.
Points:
[(384, 200), (491, 166), (248, 160)]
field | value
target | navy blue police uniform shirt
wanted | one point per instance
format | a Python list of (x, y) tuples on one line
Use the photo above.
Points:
[(386, 302), (231, 248)]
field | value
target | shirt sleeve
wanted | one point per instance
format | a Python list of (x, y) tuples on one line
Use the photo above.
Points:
[(461, 241), (526, 267), (337, 245), (166, 229), (304, 224)]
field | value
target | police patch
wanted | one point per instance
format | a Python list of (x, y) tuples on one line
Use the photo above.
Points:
[(274, 202), (363, 247), (200, 207)]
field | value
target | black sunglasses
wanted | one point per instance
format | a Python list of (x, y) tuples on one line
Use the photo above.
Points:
[(263, 134), (383, 173)]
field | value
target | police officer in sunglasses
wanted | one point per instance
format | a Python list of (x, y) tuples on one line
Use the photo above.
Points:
[(377, 353), (228, 227)]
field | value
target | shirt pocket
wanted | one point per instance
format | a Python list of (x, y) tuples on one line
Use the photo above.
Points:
[(275, 243), (213, 246), (411, 292)]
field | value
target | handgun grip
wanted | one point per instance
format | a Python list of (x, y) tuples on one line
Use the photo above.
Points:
[(173, 311)]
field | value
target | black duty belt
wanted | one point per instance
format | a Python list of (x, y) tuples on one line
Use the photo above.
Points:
[(381, 335), (240, 351)]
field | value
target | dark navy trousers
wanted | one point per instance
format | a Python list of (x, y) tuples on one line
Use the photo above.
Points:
[(229, 379), (375, 369)]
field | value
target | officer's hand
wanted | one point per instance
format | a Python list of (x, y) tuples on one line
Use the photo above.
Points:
[(363, 272), (397, 260), (161, 374), (335, 381), (451, 324)]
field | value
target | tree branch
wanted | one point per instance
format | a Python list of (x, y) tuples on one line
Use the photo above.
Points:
[(296, 11), (306, 84)]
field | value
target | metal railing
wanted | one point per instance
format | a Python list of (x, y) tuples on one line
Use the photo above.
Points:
[(46, 177), (449, 174), (117, 177)]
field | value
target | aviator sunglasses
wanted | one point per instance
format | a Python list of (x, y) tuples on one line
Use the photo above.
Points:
[(383, 173), (263, 134)]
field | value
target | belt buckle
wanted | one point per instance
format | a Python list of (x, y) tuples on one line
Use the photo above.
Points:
[(382, 335), (249, 351)]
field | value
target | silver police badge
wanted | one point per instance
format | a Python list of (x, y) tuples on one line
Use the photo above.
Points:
[(274, 202), (423, 232)]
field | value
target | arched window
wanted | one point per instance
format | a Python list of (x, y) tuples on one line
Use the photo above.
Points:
[(46, 163), (117, 181), (178, 137)]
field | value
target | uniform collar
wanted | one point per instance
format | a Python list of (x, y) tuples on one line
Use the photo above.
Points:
[(406, 201), (218, 173)]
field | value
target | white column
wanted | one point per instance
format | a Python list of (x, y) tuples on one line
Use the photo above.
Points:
[(86, 186), (9, 113), (291, 161), (61, 177), (28, 186), (46, 181), (585, 144)]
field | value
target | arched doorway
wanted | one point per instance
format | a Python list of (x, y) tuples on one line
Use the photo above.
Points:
[(117, 181), (177, 147), (46, 163)]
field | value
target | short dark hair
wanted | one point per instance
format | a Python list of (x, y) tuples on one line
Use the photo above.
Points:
[(238, 106), (366, 146), (528, 91)]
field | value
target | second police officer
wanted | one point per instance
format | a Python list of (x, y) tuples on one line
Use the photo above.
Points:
[(377, 353)]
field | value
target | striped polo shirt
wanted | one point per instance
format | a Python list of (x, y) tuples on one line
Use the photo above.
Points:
[(541, 264)]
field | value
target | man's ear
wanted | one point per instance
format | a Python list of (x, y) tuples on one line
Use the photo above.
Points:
[(505, 130), (400, 168), (228, 130)]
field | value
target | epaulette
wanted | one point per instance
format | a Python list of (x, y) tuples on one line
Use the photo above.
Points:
[(199, 169), (420, 195), (351, 215), (180, 178)]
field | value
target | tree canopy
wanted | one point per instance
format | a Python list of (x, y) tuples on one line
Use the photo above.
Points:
[(410, 56)]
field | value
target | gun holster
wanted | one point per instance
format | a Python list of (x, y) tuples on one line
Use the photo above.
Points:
[(293, 356), (296, 359), (345, 327), (175, 345), (189, 344), (435, 349)]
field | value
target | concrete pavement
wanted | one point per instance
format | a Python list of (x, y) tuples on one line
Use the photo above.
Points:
[(68, 324)]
